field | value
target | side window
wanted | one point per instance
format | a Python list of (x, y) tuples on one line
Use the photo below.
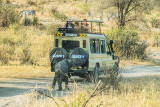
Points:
[(94, 46), (103, 49)]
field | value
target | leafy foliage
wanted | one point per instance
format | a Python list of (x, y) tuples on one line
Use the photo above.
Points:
[(126, 10), (8, 15), (127, 44), (59, 15)]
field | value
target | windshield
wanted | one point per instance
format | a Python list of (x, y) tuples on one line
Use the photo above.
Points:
[(69, 45)]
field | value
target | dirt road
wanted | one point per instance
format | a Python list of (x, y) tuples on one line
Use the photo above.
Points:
[(12, 91)]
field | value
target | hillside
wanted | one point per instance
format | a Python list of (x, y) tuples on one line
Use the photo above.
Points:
[(32, 44)]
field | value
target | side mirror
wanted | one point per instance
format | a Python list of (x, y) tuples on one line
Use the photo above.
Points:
[(111, 42), (112, 51)]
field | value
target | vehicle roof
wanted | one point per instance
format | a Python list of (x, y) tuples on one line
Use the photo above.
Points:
[(87, 35), (95, 36), (81, 20)]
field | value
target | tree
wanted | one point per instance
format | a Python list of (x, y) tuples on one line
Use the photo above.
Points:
[(8, 15), (127, 10)]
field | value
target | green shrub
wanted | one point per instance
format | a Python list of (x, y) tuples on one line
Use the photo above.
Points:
[(8, 15), (35, 21), (155, 22), (59, 15), (30, 2), (27, 22), (127, 44)]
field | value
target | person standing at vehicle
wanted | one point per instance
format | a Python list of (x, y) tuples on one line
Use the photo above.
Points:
[(85, 26), (69, 24), (77, 26)]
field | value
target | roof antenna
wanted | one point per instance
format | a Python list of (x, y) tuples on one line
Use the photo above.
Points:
[(88, 14), (101, 16)]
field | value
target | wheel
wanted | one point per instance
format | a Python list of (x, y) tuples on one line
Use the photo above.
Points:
[(57, 55), (116, 70), (93, 76), (96, 73), (79, 57)]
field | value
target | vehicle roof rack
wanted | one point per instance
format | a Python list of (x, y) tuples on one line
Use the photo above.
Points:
[(81, 20)]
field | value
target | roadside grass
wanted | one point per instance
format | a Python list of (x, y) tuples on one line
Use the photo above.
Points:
[(28, 45), (133, 92), (25, 71)]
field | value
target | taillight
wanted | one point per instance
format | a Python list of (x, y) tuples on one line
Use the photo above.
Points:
[(84, 43), (56, 44)]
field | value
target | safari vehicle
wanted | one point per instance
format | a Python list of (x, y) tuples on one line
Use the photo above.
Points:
[(90, 52)]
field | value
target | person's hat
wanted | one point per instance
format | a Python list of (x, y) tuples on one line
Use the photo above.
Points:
[(70, 20)]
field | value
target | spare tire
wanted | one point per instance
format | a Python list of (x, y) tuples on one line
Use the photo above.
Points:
[(57, 55), (79, 56)]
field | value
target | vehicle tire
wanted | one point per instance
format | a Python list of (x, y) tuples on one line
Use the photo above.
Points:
[(57, 55), (96, 73), (116, 69), (79, 57)]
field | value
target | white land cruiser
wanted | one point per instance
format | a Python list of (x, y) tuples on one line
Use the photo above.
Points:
[(89, 51)]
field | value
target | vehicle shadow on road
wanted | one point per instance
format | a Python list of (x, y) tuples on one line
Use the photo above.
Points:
[(10, 91)]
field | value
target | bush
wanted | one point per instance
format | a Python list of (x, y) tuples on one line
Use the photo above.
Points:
[(27, 57), (35, 21), (30, 2), (59, 15), (8, 15), (7, 49), (127, 44), (155, 22), (27, 22)]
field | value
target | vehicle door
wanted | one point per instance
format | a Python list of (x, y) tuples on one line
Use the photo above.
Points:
[(94, 54), (107, 61)]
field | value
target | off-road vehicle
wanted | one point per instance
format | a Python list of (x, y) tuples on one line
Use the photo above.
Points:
[(90, 52)]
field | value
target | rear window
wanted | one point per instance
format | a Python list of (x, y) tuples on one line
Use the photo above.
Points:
[(94, 46), (69, 45)]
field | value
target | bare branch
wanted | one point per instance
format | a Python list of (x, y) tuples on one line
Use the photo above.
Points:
[(129, 4), (48, 97), (92, 95), (130, 19)]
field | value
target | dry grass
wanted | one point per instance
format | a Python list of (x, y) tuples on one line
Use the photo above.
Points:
[(133, 92), (26, 45), (15, 72)]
